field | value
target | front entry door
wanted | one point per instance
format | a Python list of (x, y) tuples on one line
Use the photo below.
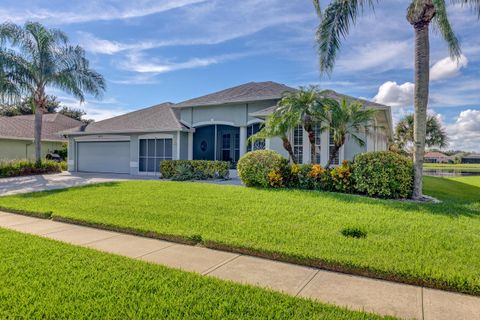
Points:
[(230, 147)]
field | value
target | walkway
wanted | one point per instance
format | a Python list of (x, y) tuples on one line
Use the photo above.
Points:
[(354, 292)]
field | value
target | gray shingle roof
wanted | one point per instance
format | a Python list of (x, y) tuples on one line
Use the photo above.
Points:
[(252, 91), (157, 118), (22, 127), (329, 94)]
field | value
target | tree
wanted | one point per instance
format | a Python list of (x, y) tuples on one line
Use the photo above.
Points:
[(435, 136), (335, 24), (74, 113), (44, 58), (278, 124), (303, 106), (25, 106), (344, 119)]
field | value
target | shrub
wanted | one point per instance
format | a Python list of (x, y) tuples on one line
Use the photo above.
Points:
[(383, 174), (299, 176), (341, 178), (194, 169), (254, 167), (17, 168)]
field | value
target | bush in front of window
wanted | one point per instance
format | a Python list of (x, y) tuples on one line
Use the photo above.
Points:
[(183, 170), (17, 168), (254, 167), (383, 174)]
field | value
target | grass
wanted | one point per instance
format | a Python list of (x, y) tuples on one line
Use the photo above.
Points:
[(428, 244), (50, 280)]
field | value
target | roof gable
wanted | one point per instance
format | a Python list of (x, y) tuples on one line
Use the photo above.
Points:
[(252, 91)]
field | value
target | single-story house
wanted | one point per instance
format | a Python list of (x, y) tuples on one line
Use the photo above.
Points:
[(471, 158), (17, 135), (436, 157), (211, 127)]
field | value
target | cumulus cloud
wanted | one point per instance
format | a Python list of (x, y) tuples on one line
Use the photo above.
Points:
[(464, 133), (396, 95), (447, 68)]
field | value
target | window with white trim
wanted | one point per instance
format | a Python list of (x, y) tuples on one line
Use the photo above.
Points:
[(152, 152), (298, 143), (331, 148), (318, 140), (258, 144)]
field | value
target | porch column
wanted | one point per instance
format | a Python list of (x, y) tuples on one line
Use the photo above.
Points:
[(190, 146), (243, 140)]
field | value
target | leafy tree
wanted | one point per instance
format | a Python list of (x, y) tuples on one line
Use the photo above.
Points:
[(304, 107), (25, 106), (342, 119), (278, 124), (44, 58), (335, 24), (74, 113), (435, 137)]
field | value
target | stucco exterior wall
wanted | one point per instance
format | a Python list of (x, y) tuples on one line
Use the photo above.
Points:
[(24, 149)]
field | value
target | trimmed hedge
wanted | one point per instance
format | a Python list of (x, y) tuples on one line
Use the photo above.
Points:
[(383, 174), (377, 174), (17, 168), (194, 169), (254, 167)]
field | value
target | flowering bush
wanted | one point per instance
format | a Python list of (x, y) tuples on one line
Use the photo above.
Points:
[(275, 179), (254, 167), (342, 179)]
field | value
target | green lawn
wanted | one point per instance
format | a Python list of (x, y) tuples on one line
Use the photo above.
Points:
[(449, 166), (431, 244), (45, 279)]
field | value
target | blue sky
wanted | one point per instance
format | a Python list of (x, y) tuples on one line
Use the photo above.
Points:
[(172, 50)]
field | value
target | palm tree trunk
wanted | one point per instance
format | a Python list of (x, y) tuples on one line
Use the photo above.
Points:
[(311, 139), (422, 79), (288, 146), (38, 102), (333, 155)]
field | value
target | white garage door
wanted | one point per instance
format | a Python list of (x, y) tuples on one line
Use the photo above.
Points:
[(108, 157)]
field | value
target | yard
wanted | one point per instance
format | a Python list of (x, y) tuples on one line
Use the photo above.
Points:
[(46, 279), (430, 244)]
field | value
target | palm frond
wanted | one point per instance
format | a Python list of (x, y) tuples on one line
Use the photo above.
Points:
[(335, 25), (443, 25), (473, 4), (316, 5)]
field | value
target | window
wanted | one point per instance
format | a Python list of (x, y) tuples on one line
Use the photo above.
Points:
[(152, 152), (298, 143), (259, 144), (331, 148), (226, 147), (318, 136)]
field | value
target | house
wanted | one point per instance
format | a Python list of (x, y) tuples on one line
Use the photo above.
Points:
[(17, 135), (211, 127), (436, 157), (471, 158)]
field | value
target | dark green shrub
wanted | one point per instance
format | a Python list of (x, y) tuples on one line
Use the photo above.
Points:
[(254, 167), (299, 176), (194, 169), (341, 178), (354, 233), (17, 168), (383, 174)]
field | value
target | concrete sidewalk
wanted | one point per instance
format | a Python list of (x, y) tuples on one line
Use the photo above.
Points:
[(354, 292)]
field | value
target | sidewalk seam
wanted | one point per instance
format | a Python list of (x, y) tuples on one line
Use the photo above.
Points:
[(156, 250), (307, 282), (221, 264)]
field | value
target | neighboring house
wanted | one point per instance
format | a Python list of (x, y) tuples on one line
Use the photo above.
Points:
[(17, 135), (471, 158), (436, 157), (212, 127)]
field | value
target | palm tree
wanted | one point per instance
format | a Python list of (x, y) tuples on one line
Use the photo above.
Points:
[(335, 24), (279, 125), (435, 136), (304, 106), (42, 58), (344, 119)]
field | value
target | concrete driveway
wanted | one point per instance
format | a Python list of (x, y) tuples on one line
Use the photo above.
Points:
[(9, 186), (17, 185)]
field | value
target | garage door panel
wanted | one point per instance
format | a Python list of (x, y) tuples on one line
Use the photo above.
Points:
[(107, 157)]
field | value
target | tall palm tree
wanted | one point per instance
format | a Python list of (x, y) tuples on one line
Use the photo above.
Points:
[(344, 119), (335, 24), (279, 125), (41, 58), (304, 106), (435, 136)]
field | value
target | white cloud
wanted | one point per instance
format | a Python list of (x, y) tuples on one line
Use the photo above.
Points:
[(92, 10), (464, 134), (138, 63), (392, 94), (447, 68), (378, 56)]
